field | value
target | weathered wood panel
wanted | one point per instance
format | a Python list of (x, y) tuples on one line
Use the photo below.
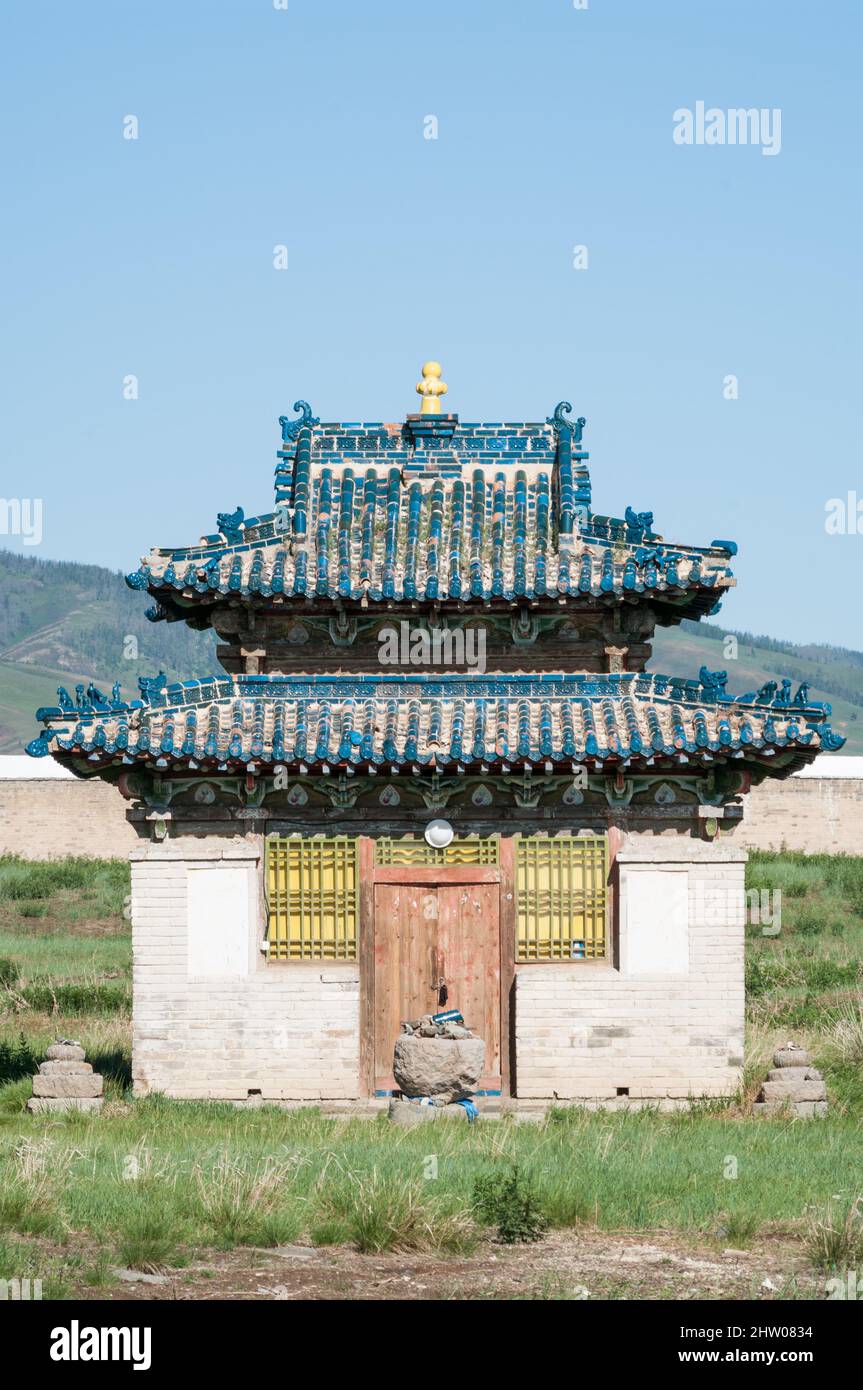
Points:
[(436, 927)]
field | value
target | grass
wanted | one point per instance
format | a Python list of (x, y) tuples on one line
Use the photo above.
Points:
[(28, 1192), (377, 1211), (509, 1202), (808, 980), (65, 948), (35, 953), (75, 887), (212, 1175), (834, 1238), (142, 1238), (152, 1180), (247, 1204), (89, 997)]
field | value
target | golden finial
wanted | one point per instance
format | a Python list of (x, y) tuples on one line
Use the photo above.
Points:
[(430, 388)]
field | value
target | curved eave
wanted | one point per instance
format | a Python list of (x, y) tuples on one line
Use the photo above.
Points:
[(764, 756), (671, 603), (778, 761), (422, 722)]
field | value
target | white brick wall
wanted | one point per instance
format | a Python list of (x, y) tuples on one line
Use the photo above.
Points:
[(288, 1031), (584, 1030)]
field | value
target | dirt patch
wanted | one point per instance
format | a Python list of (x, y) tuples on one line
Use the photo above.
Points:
[(55, 923), (568, 1266)]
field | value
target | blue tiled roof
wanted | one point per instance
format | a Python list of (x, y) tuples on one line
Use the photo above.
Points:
[(416, 720), (430, 513)]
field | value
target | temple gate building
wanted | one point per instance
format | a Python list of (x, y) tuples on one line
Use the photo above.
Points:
[(436, 773)]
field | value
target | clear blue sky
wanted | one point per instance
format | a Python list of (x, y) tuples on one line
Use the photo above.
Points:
[(258, 127)]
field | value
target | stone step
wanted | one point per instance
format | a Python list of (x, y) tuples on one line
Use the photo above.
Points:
[(794, 1075), (405, 1112)]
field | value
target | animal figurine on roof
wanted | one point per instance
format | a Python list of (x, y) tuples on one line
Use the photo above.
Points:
[(291, 428), (559, 422), (152, 685), (639, 523), (230, 523), (96, 698), (714, 682)]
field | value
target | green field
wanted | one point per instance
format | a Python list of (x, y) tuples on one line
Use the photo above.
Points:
[(154, 1184)]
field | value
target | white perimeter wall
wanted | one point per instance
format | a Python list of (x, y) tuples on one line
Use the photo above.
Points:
[(46, 812)]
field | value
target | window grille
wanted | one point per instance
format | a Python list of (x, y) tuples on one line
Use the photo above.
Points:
[(409, 851), (561, 897), (312, 889)]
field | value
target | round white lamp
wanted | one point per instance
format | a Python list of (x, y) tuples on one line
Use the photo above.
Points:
[(439, 834)]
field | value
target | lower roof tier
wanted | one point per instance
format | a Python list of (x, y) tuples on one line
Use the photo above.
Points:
[(445, 723)]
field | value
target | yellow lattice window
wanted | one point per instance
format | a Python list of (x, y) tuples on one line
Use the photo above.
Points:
[(312, 897), (472, 849), (561, 897)]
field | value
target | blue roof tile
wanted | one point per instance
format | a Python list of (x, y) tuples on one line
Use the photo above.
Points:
[(431, 721), (485, 520)]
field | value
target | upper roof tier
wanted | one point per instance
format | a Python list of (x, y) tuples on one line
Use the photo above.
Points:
[(433, 512)]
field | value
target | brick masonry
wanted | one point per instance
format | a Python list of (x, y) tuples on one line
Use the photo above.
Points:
[(289, 1033), (246, 1027), (663, 1019), (593, 1031)]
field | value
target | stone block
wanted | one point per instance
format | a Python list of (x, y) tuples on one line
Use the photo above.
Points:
[(68, 1086), (408, 1113), (793, 1091), (791, 1057), (444, 1067), (65, 1052), (804, 1109), (794, 1074), (42, 1104), (811, 1108), (56, 1068)]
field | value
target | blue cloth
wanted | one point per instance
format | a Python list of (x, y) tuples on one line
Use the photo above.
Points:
[(472, 1112)]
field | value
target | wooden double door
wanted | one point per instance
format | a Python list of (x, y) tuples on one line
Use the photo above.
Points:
[(437, 945)]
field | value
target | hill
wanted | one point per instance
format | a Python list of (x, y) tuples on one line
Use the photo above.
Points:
[(61, 623), (834, 674)]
